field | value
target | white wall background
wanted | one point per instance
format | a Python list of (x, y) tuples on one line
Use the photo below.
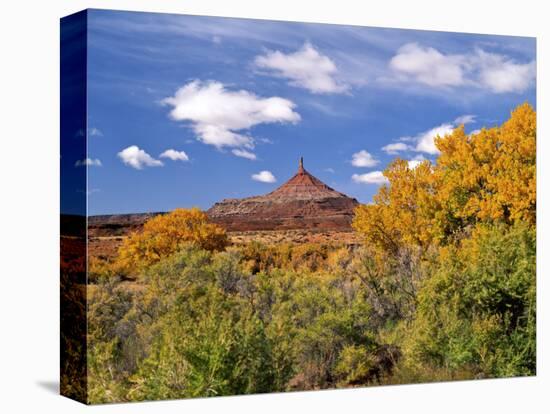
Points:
[(29, 193)]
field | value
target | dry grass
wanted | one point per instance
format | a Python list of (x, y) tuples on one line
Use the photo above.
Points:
[(271, 237), (106, 248)]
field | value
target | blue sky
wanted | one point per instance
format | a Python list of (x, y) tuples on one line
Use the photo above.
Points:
[(186, 110)]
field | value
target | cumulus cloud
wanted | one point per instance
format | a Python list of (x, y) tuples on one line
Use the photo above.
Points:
[(175, 155), (244, 154), (363, 159), (306, 68), (501, 74), (264, 177), (495, 72), (426, 140), (373, 177), (427, 65), (90, 162), (395, 148), (220, 117), (137, 158)]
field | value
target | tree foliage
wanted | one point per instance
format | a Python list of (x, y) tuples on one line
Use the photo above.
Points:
[(477, 308), (452, 261), (488, 176), (165, 234), (491, 175)]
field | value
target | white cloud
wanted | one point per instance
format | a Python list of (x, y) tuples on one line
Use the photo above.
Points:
[(465, 119), (218, 115), (175, 155), (495, 72), (90, 162), (137, 158), (427, 65), (416, 161), (363, 159), (305, 68), (395, 147), (330, 170), (501, 74), (475, 132), (244, 154), (264, 177), (373, 177), (426, 140)]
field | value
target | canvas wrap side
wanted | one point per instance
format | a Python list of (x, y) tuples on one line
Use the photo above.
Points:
[(73, 183)]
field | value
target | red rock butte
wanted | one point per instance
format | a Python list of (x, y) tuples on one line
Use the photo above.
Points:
[(303, 202)]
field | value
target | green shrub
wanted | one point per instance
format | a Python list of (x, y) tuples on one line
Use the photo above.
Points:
[(477, 310)]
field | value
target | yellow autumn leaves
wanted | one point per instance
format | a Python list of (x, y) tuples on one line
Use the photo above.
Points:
[(488, 176), (164, 235)]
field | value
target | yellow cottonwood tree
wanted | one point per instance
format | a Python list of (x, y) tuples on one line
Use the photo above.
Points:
[(165, 234), (403, 211), (489, 176)]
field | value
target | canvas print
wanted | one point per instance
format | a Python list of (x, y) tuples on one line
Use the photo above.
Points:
[(253, 206)]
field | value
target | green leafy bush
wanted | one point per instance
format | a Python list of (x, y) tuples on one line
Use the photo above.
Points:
[(477, 310)]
